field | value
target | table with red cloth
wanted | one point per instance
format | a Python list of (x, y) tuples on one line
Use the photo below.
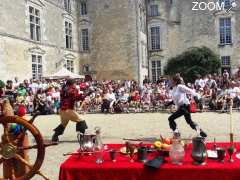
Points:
[(85, 168)]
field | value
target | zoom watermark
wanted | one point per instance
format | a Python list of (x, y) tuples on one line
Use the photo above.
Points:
[(214, 5)]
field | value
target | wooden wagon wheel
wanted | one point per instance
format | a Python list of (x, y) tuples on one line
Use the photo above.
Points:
[(9, 149)]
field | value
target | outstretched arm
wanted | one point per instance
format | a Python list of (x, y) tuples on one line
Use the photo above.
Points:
[(187, 90), (169, 104)]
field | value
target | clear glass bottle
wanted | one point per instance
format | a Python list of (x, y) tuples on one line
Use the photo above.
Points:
[(99, 148), (177, 152)]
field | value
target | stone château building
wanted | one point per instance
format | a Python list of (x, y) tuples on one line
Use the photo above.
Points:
[(110, 39)]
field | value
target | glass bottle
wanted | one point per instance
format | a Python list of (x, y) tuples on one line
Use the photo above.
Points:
[(176, 152), (98, 146)]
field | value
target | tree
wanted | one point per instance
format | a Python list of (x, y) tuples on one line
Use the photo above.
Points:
[(196, 60)]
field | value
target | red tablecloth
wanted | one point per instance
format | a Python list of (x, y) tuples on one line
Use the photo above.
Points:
[(85, 168)]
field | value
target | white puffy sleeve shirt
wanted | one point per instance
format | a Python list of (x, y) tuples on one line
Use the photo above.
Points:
[(179, 95)]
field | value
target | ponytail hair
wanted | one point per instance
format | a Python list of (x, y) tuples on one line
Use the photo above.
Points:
[(177, 79)]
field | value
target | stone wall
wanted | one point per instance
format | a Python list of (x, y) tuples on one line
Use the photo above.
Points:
[(18, 47), (114, 37)]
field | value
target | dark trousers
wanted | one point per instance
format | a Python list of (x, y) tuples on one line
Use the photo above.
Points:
[(182, 111)]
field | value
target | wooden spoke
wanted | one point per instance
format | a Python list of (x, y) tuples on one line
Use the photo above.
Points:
[(18, 157), (1, 160), (27, 147), (35, 146), (41, 174), (6, 133)]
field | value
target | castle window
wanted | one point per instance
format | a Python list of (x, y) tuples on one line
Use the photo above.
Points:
[(225, 31), (226, 63), (36, 66), (86, 68), (227, 3), (35, 26), (67, 5), (85, 40), (154, 10), (83, 8), (69, 65), (156, 70), (155, 38), (68, 35)]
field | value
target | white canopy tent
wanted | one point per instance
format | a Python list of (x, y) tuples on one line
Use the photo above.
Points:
[(64, 73)]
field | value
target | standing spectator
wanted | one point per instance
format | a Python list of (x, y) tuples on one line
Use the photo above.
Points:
[(34, 86), (211, 83), (199, 82), (225, 74), (16, 83)]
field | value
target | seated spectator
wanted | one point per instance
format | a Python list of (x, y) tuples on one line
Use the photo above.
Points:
[(206, 96), (146, 101), (40, 103), (21, 93), (233, 92), (135, 100), (108, 98), (29, 102)]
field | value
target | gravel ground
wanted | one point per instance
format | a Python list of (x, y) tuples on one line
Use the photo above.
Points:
[(118, 126)]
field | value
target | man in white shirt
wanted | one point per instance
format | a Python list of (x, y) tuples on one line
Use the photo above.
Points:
[(34, 86), (180, 99), (211, 83)]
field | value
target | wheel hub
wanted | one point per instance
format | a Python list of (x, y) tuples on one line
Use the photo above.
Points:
[(8, 151)]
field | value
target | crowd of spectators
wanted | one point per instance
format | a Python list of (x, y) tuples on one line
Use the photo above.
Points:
[(108, 96)]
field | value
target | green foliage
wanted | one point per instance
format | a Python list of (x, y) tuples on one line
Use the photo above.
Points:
[(2, 84), (196, 60)]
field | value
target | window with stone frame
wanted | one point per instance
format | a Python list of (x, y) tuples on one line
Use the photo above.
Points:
[(225, 30), (69, 65), (36, 66), (153, 11), (68, 35), (156, 70), (226, 61), (86, 68), (155, 38), (85, 39), (35, 24), (227, 3), (83, 7), (67, 6)]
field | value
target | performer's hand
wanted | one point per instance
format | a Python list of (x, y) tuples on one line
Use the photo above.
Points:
[(168, 104)]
